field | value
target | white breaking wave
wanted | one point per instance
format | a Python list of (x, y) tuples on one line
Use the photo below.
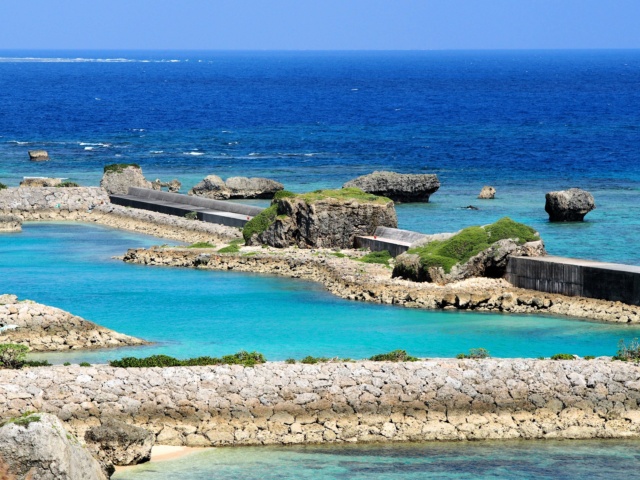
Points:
[(156, 152), (81, 60), (88, 148), (194, 153)]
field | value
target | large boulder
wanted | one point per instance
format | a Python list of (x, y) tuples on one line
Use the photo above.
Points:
[(214, 187), (38, 155), (321, 219), (37, 446), (487, 193), (396, 186), (118, 443), (40, 182), (117, 178), (472, 252), (569, 205), (10, 223)]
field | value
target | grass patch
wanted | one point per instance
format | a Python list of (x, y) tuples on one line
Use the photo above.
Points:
[(260, 222), (36, 363), (191, 216), (230, 249), (201, 245), (588, 357), (23, 420), (381, 258), (562, 356), (119, 167), (394, 356), (471, 241), (283, 194), (475, 353), (344, 194), (246, 359), (337, 254), (67, 184)]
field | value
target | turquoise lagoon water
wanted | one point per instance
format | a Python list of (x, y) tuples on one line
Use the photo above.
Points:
[(190, 312), (486, 460)]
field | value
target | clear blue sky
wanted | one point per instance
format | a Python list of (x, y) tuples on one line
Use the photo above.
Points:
[(318, 24)]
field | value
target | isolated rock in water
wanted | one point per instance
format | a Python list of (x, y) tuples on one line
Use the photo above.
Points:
[(487, 193), (243, 187), (40, 182), (10, 223), (323, 219), (118, 443), (212, 186), (117, 178), (38, 446), (38, 155), (173, 186), (396, 186), (569, 205)]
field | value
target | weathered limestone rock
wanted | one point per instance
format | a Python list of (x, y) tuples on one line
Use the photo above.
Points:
[(173, 186), (39, 447), (117, 179), (43, 328), (327, 222), (119, 443), (10, 223), (214, 187), (38, 155), (396, 186), (487, 193), (569, 205), (29, 203), (40, 182)]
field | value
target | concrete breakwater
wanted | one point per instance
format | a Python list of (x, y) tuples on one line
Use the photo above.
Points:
[(277, 403), (355, 280)]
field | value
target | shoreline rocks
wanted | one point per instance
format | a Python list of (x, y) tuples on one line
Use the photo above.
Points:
[(568, 205), (40, 182), (117, 178), (119, 443), (10, 223), (398, 187), (215, 188), (38, 155)]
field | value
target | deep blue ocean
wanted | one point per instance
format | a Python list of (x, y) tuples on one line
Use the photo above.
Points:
[(525, 122)]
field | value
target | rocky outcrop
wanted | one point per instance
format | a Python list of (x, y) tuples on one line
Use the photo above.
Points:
[(40, 182), (569, 205), (173, 186), (10, 223), (396, 186), (214, 187), (38, 155), (38, 446), (117, 179), (491, 263), (487, 193), (118, 443), (44, 329), (325, 222)]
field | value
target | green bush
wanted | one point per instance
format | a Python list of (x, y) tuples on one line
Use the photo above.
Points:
[(12, 355), (67, 184), (630, 352), (588, 357), (66, 364), (290, 361), (230, 249), (260, 222), (475, 353), (202, 245), (85, 364), (313, 360), (119, 167), (562, 356), (3, 186), (36, 363), (382, 257), (471, 241), (394, 356), (191, 216), (247, 359)]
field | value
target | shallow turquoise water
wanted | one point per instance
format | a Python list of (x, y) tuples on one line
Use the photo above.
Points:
[(487, 460), (190, 312)]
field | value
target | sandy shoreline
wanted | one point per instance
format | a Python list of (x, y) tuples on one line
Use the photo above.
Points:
[(163, 453)]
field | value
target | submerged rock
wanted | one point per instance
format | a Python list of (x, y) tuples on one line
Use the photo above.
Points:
[(117, 178), (214, 187), (118, 443), (487, 193), (396, 186), (38, 155), (10, 223), (569, 205), (38, 446), (40, 182)]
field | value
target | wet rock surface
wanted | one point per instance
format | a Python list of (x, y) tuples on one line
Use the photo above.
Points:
[(569, 205), (396, 186)]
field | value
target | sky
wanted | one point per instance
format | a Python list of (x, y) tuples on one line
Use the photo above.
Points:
[(318, 24)]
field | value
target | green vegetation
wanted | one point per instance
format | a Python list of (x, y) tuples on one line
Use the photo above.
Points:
[(12, 355), (394, 356), (230, 249), (337, 254), (85, 364), (191, 216), (588, 357), (283, 194), (201, 245), (23, 420), (290, 361), (260, 222), (36, 363), (382, 257), (628, 353), (119, 167), (3, 186), (247, 359), (312, 360), (471, 241), (562, 356), (66, 364), (345, 194), (67, 184), (475, 353)]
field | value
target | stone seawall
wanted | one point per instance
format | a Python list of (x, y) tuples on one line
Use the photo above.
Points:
[(277, 403)]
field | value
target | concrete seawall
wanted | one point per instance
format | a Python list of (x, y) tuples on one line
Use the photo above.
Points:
[(276, 403)]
